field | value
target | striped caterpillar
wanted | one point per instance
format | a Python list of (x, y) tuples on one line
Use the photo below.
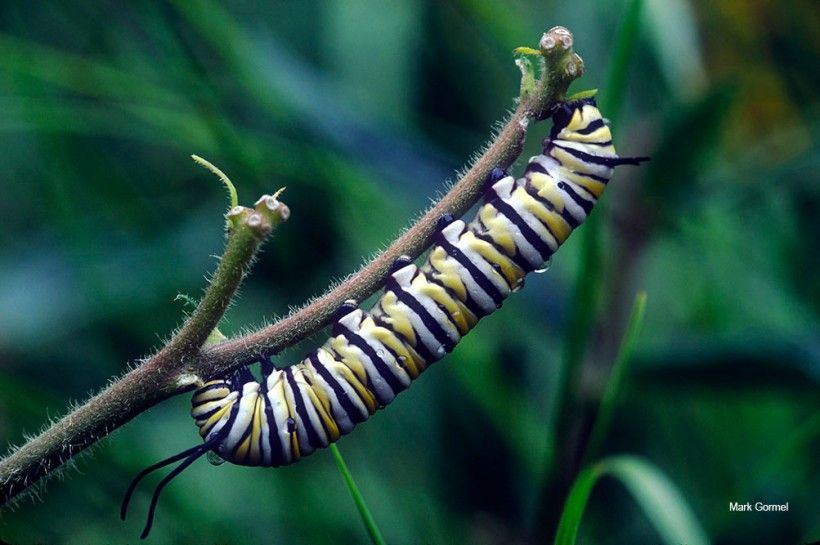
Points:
[(422, 314)]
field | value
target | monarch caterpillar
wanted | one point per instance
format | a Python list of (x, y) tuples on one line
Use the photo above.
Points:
[(423, 313)]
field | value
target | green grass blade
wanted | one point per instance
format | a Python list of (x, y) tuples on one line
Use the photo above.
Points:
[(575, 505), (613, 387), (368, 520), (660, 500), (657, 496)]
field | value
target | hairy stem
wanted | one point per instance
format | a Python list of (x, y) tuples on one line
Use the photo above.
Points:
[(156, 378), (184, 360), (560, 66)]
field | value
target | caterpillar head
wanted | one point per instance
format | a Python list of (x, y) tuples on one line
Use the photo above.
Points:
[(563, 113)]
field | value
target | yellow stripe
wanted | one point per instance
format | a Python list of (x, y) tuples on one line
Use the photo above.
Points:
[(296, 454), (577, 122), (350, 357), (412, 362), (497, 229), (321, 404), (447, 272), (211, 422), (557, 225), (242, 451), (364, 394), (210, 395), (455, 309), (318, 397), (204, 408), (256, 431), (599, 135), (396, 317), (594, 187), (547, 189), (511, 272)]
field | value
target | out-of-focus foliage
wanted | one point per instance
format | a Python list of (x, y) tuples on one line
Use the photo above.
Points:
[(363, 110)]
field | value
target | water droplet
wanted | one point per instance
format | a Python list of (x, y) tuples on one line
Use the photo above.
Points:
[(214, 459), (380, 353), (544, 267), (456, 313), (291, 425), (440, 351), (518, 285), (401, 360)]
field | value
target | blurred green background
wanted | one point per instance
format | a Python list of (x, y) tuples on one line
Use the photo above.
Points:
[(364, 110)]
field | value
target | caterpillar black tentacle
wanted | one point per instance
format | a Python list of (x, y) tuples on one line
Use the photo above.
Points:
[(423, 313)]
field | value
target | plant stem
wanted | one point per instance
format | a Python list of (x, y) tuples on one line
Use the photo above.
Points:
[(157, 378), (183, 362), (368, 520), (558, 71)]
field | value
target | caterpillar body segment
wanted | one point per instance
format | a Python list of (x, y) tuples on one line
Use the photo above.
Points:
[(424, 311)]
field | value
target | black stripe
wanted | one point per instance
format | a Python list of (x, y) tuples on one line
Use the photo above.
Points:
[(338, 329), (568, 217), (592, 127), (348, 406), (413, 352), (313, 438), (602, 144), (480, 278), (589, 158), (277, 450), (311, 383), (225, 430), (602, 179), (381, 366), (544, 224), (420, 348), (582, 202), (245, 434), (210, 413), (211, 387), (241, 377), (426, 318), (471, 304), (535, 166), (532, 237), (517, 258)]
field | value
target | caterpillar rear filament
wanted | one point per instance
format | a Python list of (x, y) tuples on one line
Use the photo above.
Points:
[(423, 313)]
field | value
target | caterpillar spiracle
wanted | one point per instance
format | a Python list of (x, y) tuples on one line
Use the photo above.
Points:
[(423, 313)]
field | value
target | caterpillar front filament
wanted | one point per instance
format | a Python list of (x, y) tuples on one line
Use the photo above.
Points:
[(423, 313)]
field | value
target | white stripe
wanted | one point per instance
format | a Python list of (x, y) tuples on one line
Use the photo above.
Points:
[(331, 364), (452, 233), (313, 415), (279, 409), (526, 249)]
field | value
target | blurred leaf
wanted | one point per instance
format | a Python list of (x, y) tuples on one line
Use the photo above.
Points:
[(688, 141), (612, 98), (734, 364), (674, 31), (77, 73), (660, 500), (616, 376)]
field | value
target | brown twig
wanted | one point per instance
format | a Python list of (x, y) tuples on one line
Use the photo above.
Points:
[(183, 362)]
